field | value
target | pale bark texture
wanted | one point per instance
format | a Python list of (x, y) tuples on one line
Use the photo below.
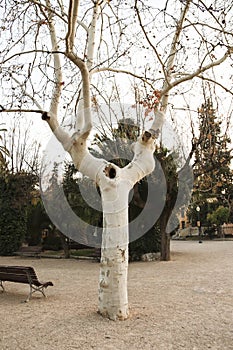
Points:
[(114, 182), (87, 54)]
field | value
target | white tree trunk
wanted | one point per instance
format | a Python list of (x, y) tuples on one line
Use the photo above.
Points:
[(114, 182), (113, 298)]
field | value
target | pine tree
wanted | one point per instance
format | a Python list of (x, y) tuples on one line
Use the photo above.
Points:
[(212, 172)]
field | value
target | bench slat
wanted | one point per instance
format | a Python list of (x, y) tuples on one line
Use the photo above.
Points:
[(22, 274)]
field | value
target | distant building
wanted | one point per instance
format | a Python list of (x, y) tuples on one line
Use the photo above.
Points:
[(183, 219)]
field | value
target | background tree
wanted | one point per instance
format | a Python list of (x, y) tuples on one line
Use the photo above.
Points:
[(219, 216), (18, 191), (212, 160), (3, 153), (118, 149), (23, 151), (16, 196), (77, 189), (213, 153)]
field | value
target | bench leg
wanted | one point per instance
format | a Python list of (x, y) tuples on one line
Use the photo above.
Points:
[(1, 285), (28, 297), (33, 290)]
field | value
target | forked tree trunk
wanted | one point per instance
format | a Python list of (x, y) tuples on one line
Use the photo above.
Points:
[(114, 182)]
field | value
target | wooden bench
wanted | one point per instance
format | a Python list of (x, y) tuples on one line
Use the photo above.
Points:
[(30, 251), (23, 274)]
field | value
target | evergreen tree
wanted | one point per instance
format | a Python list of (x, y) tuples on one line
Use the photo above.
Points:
[(212, 172), (118, 150), (16, 196), (84, 199)]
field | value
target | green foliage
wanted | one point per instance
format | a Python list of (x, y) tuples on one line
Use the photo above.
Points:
[(52, 242), (12, 230), (148, 243), (15, 199), (219, 216), (84, 198), (212, 171), (118, 150), (37, 220), (76, 190)]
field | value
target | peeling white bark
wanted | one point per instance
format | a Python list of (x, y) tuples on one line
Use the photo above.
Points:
[(114, 182), (113, 297)]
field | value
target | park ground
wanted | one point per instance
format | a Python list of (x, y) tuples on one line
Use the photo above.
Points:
[(186, 303)]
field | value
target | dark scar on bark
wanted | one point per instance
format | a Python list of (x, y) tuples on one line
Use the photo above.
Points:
[(110, 171), (45, 116), (146, 136)]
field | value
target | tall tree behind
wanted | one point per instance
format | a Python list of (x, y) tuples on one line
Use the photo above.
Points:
[(16, 195), (212, 159), (212, 155), (118, 149)]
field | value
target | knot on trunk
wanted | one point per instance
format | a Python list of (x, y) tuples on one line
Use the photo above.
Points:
[(146, 136), (45, 116), (110, 171)]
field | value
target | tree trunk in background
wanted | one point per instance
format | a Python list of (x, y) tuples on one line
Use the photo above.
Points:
[(165, 237), (65, 245)]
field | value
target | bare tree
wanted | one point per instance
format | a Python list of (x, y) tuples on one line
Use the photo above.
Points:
[(199, 41), (114, 182), (79, 49), (23, 152)]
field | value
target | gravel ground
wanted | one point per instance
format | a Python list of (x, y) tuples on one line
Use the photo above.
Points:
[(186, 303)]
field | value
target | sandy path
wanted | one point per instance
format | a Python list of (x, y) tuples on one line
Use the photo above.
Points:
[(186, 303)]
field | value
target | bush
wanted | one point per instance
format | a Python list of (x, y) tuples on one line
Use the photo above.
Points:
[(52, 242), (12, 231), (15, 192)]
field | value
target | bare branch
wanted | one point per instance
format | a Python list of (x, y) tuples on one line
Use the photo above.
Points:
[(216, 83), (72, 20), (51, 10), (116, 70), (148, 39), (172, 56), (198, 72), (29, 52), (24, 91), (20, 110)]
